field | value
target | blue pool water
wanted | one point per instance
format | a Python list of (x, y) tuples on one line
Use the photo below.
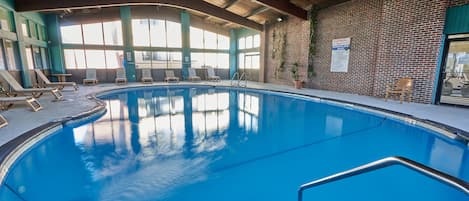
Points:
[(209, 144)]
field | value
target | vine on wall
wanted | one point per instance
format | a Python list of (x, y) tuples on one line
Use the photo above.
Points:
[(279, 36), (313, 22)]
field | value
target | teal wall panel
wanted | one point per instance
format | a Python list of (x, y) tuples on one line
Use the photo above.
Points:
[(55, 46), (233, 52), (457, 20), (186, 45), (129, 56)]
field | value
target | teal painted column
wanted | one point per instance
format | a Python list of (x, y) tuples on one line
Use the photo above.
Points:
[(55, 45), (129, 57), (233, 53), (186, 44), (23, 62)]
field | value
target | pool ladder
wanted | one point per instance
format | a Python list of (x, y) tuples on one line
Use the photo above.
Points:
[(386, 162), (238, 78)]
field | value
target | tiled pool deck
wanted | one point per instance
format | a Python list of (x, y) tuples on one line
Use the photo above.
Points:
[(21, 119)]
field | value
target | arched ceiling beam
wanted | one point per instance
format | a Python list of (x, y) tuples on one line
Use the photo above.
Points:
[(285, 6)]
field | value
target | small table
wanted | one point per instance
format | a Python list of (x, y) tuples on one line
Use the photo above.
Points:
[(62, 77)]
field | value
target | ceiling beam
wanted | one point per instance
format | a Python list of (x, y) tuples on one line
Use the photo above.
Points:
[(285, 6), (258, 11), (229, 3), (196, 5)]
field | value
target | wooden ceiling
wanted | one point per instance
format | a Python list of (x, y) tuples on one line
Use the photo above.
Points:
[(228, 13)]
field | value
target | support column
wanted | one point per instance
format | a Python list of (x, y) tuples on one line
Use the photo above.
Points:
[(186, 49), (129, 57), (263, 55), (23, 62), (55, 45), (233, 53)]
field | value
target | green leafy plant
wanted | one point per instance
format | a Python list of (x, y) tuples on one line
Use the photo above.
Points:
[(313, 23), (294, 70)]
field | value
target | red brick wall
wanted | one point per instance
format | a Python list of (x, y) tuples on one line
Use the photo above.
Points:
[(359, 20), (457, 2), (410, 39), (296, 49)]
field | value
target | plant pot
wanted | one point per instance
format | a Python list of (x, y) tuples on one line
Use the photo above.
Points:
[(298, 84)]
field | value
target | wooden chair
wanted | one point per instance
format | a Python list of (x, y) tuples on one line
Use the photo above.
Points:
[(402, 87)]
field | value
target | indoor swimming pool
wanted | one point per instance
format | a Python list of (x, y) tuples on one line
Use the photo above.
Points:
[(219, 143)]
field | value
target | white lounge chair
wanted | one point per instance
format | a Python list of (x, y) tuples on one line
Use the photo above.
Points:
[(90, 77), (3, 121), (17, 89), (211, 74), (7, 102), (43, 81), (193, 75), (170, 77), (146, 76), (121, 77)]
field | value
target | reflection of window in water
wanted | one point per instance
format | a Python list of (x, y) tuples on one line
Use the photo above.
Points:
[(248, 111), (210, 120)]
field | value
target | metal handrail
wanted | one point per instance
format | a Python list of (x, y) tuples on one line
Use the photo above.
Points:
[(386, 162), (234, 77), (243, 77)]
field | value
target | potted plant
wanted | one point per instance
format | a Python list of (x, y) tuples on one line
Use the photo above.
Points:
[(296, 75)]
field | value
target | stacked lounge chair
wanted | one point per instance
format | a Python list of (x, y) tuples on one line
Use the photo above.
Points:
[(43, 81), (211, 74), (170, 77), (146, 76), (121, 78), (16, 89), (90, 77), (193, 75)]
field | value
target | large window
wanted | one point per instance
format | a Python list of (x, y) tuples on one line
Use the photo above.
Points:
[(202, 39), (250, 60), (93, 45), (215, 60), (249, 42), (158, 59), (248, 56), (156, 33)]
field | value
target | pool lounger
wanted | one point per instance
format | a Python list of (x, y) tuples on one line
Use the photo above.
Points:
[(3, 121), (45, 82), (16, 88), (7, 102)]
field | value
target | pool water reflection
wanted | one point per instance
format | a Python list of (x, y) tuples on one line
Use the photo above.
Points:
[(221, 144)]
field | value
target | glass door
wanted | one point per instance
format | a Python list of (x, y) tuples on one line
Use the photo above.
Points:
[(455, 77)]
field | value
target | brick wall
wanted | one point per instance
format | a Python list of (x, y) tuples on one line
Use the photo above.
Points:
[(410, 39), (390, 39), (297, 31)]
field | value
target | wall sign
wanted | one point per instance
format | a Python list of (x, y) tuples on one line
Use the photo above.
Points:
[(340, 55)]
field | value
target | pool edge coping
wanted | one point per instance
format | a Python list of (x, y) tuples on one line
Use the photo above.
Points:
[(10, 151)]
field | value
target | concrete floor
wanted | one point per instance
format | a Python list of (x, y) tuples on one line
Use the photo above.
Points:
[(21, 119)]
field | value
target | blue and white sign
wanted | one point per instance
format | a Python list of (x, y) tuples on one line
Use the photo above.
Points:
[(340, 55)]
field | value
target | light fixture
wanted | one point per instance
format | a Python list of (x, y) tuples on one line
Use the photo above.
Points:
[(279, 19)]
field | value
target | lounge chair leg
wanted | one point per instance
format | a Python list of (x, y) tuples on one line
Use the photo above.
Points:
[(386, 97), (401, 98)]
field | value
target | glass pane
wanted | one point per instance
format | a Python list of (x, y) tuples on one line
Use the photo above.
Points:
[(5, 19), (29, 58), (74, 58), (241, 61), (211, 60), (25, 28), (142, 59), (113, 33), (248, 61), (95, 59), (157, 33), (2, 60), (248, 42), (197, 60), (32, 29), (37, 58), (141, 32), (93, 34), (223, 60), (114, 59), (455, 89), (44, 58), (255, 62), (257, 40), (210, 40), (159, 59), (71, 34), (10, 53), (242, 43), (223, 42), (174, 60), (197, 38), (174, 34)]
